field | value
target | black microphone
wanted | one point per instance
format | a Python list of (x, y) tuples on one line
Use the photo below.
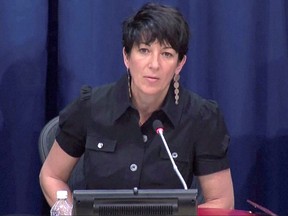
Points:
[(158, 127)]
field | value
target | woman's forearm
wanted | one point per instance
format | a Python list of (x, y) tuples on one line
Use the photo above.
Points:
[(50, 186), (218, 203)]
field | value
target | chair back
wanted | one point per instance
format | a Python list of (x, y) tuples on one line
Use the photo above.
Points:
[(47, 137), (46, 140)]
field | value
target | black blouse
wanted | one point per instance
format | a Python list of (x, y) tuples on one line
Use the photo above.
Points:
[(119, 154)]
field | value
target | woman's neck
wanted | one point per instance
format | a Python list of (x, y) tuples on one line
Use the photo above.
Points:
[(146, 105)]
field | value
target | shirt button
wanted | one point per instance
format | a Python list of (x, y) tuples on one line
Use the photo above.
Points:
[(100, 145), (174, 155), (145, 138), (133, 167)]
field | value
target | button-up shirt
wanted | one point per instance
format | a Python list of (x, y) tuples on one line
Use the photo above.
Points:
[(103, 125)]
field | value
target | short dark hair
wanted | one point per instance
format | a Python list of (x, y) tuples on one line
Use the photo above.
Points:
[(156, 22)]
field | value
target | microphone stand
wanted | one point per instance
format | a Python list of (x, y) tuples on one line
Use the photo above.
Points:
[(160, 132)]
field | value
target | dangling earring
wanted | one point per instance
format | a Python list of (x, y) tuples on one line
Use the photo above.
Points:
[(176, 87), (129, 83)]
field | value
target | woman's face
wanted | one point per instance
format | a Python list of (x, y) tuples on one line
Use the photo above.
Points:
[(152, 67)]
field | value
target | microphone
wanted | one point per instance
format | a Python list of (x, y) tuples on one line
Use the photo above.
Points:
[(158, 127)]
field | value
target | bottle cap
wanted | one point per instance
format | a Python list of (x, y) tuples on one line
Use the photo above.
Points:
[(62, 194)]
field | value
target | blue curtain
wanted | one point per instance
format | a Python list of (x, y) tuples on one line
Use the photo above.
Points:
[(23, 57), (238, 55)]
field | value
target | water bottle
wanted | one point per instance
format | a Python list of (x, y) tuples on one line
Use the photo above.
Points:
[(61, 207)]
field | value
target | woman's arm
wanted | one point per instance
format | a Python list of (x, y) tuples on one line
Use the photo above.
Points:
[(55, 173), (217, 190)]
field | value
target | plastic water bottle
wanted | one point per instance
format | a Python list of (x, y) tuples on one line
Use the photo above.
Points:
[(61, 207)]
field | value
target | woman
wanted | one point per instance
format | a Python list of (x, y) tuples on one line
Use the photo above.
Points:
[(112, 124)]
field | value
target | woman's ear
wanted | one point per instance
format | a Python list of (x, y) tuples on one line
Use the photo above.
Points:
[(125, 57), (181, 64)]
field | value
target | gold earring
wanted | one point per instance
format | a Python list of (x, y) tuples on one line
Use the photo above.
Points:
[(176, 88), (129, 83)]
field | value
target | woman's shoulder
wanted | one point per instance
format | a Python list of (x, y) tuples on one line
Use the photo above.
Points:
[(82, 102), (200, 106)]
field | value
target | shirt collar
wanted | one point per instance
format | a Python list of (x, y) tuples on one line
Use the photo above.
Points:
[(123, 102), (173, 111)]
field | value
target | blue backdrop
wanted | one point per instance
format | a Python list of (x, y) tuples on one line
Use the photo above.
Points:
[(238, 55)]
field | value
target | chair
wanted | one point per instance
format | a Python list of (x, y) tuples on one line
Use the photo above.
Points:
[(46, 140), (47, 137), (76, 180)]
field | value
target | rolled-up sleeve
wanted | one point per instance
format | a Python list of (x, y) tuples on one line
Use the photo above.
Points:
[(212, 144)]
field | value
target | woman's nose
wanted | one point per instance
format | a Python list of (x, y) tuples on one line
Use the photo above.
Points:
[(154, 63)]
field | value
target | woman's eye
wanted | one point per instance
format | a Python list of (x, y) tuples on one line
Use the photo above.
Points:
[(167, 55), (143, 50)]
